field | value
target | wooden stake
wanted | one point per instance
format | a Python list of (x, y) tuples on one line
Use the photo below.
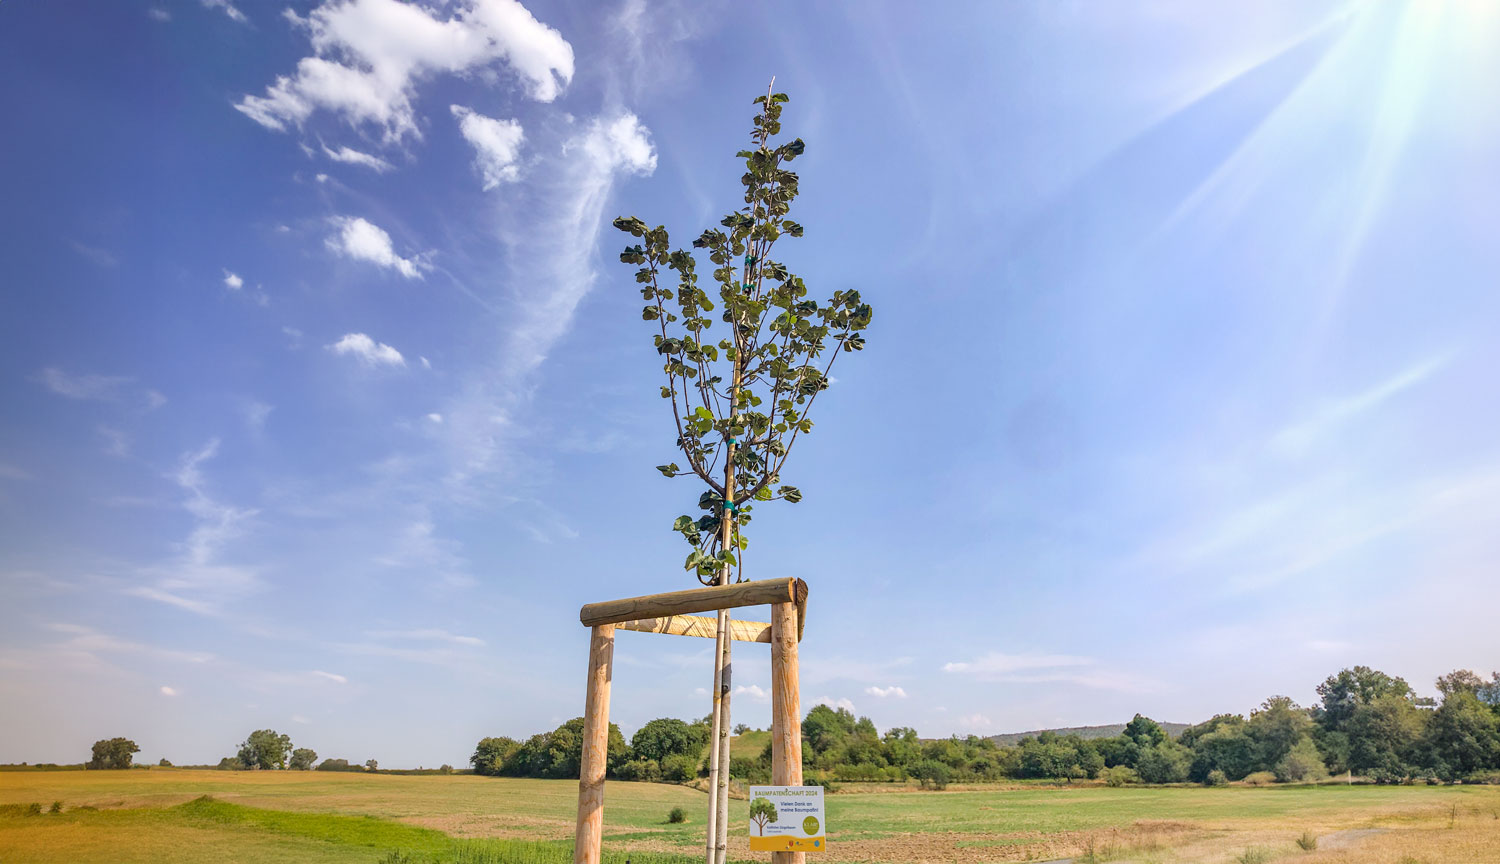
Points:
[(786, 708), (721, 841), (691, 600), (590, 830), (711, 832), (700, 625)]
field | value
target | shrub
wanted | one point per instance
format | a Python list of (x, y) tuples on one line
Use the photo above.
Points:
[(931, 773), (1308, 842), (640, 770), (1487, 778), (446, 769), (1260, 778), (1301, 763), (1254, 855), (55, 808), (1216, 778), (164, 763), (677, 815), (678, 768), (33, 809), (1120, 775)]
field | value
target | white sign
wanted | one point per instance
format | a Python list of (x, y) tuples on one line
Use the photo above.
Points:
[(787, 819)]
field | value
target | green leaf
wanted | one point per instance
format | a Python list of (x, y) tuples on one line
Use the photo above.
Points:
[(669, 471), (791, 493)]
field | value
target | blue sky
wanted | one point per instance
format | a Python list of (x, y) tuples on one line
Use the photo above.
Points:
[(328, 405)]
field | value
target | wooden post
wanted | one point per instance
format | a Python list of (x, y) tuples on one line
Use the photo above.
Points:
[(590, 831), (786, 709)]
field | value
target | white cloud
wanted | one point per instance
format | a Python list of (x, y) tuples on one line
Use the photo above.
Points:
[(369, 352), (886, 692), (426, 364), (370, 55), (232, 281), (976, 722), (835, 703), (329, 676), (293, 335), (497, 145), (298, 718), (168, 691), (350, 156), (363, 240), (622, 143), (754, 691), (227, 8), (159, 14), (435, 417)]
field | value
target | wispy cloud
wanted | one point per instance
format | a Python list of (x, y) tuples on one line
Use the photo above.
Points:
[(1037, 668), (550, 232), (101, 257), (100, 388), (196, 580), (1300, 437), (227, 8), (427, 635), (886, 692), (232, 280), (350, 156)]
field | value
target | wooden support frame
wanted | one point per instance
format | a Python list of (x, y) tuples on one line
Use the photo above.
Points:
[(666, 613)]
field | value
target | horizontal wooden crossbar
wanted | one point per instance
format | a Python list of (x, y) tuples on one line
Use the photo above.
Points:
[(699, 625), (694, 600)]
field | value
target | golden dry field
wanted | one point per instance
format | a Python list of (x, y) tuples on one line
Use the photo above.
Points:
[(158, 815)]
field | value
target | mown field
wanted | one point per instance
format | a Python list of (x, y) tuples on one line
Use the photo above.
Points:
[(161, 815)]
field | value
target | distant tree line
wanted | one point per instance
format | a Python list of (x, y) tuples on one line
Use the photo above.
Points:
[(1366, 723)]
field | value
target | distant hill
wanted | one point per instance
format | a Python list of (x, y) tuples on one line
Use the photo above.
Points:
[(1010, 739)]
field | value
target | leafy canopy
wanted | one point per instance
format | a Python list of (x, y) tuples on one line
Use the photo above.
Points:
[(742, 382)]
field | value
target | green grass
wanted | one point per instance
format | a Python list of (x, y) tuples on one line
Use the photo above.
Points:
[(204, 829), (1091, 807)]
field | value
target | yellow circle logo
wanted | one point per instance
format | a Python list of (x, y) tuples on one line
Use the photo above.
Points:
[(810, 825)]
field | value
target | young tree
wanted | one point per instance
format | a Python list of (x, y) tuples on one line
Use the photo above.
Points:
[(741, 393)]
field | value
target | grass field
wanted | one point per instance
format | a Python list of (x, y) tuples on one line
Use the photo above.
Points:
[(256, 817)]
